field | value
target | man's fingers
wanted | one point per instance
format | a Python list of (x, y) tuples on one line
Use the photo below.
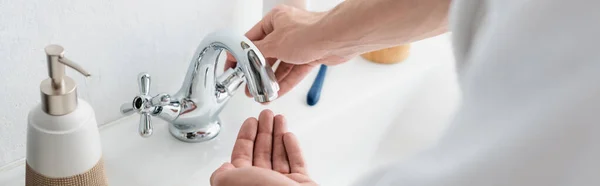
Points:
[(283, 70), (224, 167), (230, 62), (257, 32), (294, 153), (247, 92), (271, 61), (266, 47), (243, 150), (263, 145), (294, 77), (280, 159)]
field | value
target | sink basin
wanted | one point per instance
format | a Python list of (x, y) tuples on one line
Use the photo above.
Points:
[(369, 115)]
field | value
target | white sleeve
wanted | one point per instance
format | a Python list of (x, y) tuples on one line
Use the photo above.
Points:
[(530, 113)]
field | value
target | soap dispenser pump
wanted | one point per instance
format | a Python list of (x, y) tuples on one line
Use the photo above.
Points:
[(63, 143)]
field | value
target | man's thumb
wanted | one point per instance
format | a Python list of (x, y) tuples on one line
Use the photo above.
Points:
[(226, 166)]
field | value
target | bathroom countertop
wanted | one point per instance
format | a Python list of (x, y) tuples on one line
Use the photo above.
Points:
[(357, 82)]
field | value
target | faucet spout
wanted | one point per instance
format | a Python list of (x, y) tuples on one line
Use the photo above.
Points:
[(203, 94), (193, 110), (201, 80)]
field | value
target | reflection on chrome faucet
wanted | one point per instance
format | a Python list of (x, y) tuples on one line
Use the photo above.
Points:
[(193, 111)]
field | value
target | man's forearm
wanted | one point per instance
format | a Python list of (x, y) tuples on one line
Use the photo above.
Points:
[(373, 24)]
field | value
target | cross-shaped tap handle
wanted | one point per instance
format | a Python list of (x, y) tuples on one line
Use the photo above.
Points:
[(145, 105)]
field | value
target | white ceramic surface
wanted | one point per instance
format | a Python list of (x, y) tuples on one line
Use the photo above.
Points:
[(368, 115)]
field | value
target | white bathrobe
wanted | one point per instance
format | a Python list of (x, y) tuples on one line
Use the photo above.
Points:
[(530, 114)]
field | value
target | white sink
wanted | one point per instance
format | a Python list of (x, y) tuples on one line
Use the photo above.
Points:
[(368, 115)]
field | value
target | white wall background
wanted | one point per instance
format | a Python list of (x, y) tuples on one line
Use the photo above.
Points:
[(113, 39)]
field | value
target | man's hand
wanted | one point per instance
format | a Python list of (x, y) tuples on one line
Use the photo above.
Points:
[(264, 154), (302, 40), (287, 34)]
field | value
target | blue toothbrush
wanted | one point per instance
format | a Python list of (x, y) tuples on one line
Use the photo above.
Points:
[(315, 90)]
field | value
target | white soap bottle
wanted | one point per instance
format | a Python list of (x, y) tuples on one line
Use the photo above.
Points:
[(63, 143)]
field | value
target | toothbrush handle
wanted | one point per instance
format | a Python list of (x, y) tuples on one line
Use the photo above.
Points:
[(315, 90)]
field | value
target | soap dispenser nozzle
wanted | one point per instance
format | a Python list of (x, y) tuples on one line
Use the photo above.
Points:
[(59, 92)]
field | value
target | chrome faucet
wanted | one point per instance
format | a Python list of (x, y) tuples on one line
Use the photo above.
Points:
[(193, 111)]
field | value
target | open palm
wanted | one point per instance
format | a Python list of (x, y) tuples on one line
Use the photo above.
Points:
[(264, 154)]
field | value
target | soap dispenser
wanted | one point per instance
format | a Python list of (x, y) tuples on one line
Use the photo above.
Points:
[(63, 143)]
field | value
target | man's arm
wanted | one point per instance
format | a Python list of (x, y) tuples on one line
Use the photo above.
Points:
[(363, 25), (303, 40)]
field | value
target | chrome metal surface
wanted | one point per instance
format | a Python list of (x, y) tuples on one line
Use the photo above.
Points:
[(127, 109), (143, 105), (59, 92), (145, 125), (193, 111)]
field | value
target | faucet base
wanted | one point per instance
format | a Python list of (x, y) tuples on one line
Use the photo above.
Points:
[(205, 133)]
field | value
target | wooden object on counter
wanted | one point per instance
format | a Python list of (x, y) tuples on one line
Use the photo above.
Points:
[(389, 55)]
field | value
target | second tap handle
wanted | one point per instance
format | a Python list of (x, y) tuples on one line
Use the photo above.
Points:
[(145, 125), (160, 100), (127, 109)]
